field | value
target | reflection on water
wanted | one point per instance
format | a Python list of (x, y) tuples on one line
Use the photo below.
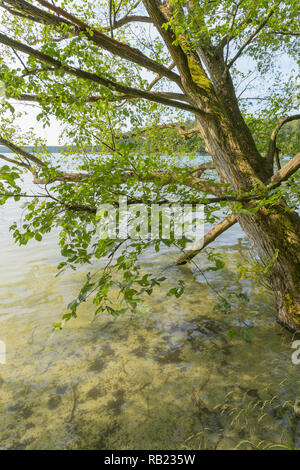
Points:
[(167, 379)]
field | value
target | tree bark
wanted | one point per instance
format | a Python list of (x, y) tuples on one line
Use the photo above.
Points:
[(270, 230), (279, 229)]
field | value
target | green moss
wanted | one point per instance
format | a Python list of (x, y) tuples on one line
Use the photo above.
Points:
[(198, 74)]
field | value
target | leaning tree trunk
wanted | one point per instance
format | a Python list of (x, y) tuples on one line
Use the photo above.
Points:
[(235, 154), (270, 229)]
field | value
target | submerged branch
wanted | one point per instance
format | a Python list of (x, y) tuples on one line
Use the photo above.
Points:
[(98, 79)]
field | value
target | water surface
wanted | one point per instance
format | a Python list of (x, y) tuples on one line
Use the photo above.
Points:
[(169, 378)]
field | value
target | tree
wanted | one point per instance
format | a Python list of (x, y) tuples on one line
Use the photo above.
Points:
[(104, 66)]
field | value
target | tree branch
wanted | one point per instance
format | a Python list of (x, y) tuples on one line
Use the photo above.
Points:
[(78, 73), (163, 176), (159, 77), (93, 35), (199, 170), (227, 39), (155, 11), (179, 128), (250, 39), (189, 132), (93, 99), (15, 162), (128, 19), (288, 33), (286, 171), (208, 238), (21, 15), (282, 175), (272, 152), (18, 150), (61, 176)]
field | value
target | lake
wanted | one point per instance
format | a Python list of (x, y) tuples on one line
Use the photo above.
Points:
[(169, 378)]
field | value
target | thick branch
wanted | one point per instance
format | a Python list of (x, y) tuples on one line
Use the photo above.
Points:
[(272, 142), (189, 132), (94, 99), (99, 38), (199, 170), (286, 171), (208, 238)]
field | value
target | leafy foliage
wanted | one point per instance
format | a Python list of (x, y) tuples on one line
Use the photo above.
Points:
[(130, 146)]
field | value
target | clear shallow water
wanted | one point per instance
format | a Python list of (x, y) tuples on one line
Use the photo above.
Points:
[(167, 379)]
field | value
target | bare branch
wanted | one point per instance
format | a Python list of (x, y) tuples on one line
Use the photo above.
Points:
[(126, 20), (159, 77)]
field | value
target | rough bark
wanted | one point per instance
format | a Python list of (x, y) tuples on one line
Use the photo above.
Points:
[(270, 230), (239, 163)]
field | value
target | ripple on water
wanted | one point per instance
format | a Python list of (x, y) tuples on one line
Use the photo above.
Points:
[(170, 379)]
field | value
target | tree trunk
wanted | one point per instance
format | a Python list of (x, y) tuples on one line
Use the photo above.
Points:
[(236, 157)]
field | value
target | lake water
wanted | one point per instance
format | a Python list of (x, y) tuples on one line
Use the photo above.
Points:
[(169, 378)]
